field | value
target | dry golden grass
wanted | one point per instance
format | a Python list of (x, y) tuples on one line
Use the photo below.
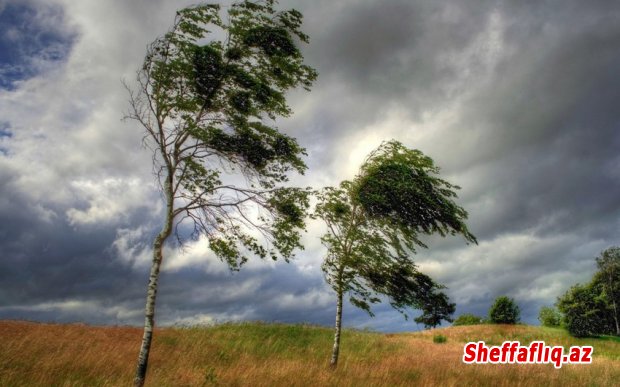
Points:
[(254, 354)]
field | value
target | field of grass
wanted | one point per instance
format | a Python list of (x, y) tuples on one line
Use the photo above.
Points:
[(256, 354)]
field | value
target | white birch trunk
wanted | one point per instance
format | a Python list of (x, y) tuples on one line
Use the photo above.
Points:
[(336, 349), (149, 315)]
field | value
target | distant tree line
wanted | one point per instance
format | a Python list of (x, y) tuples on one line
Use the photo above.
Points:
[(504, 310)]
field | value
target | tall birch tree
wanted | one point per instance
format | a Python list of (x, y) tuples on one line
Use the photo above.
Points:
[(207, 95), (374, 224)]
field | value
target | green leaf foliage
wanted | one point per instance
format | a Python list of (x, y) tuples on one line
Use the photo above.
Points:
[(439, 339), (504, 311), (208, 105), (584, 312), (401, 186), (372, 234)]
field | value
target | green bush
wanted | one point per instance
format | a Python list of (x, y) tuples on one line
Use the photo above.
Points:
[(504, 311), (549, 317), (585, 312), (468, 319), (439, 339)]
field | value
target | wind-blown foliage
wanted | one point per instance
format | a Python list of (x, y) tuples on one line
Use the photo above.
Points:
[(208, 109), (374, 223)]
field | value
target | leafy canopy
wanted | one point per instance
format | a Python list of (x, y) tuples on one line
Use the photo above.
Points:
[(208, 107), (400, 186), (504, 311), (374, 223)]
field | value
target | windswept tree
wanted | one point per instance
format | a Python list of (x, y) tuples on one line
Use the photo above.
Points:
[(374, 224), (208, 106)]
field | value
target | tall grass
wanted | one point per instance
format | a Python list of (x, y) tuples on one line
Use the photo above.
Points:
[(257, 354)]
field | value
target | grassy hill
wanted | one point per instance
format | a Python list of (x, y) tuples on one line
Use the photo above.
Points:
[(33, 354)]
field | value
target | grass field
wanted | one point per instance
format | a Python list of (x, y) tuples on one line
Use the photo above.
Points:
[(256, 354)]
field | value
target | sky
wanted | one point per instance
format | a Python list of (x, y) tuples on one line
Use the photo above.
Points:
[(517, 102)]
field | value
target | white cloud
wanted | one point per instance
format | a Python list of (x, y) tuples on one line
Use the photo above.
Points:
[(75, 307), (308, 300), (531, 266), (207, 319), (195, 254), (130, 248), (110, 200)]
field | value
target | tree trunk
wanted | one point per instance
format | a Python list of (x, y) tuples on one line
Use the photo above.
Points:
[(336, 349), (149, 315)]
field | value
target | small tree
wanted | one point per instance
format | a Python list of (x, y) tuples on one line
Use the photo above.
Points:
[(549, 317), (468, 319), (435, 305), (208, 109), (373, 227), (585, 312), (504, 311)]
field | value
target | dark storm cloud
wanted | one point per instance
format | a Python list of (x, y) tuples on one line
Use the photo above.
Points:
[(48, 260), (372, 54), (549, 123), (392, 48), (54, 271), (535, 142)]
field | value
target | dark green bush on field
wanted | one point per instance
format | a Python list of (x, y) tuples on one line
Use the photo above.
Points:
[(585, 312), (439, 339), (504, 311), (468, 319)]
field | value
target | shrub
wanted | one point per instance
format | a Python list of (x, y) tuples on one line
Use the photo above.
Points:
[(439, 339), (549, 317), (504, 311), (468, 319)]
